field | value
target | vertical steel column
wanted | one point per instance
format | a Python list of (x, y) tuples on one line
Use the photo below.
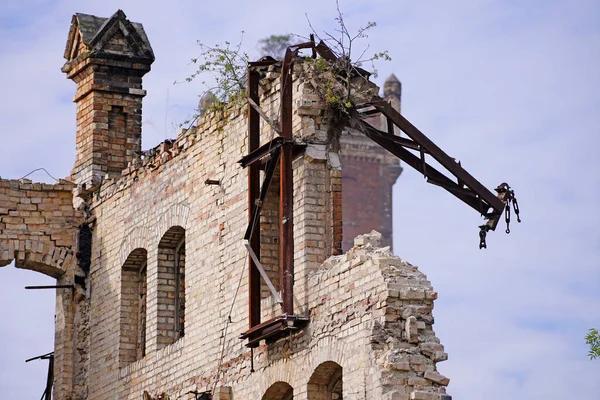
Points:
[(253, 194), (286, 209), (390, 126), (49, 379)]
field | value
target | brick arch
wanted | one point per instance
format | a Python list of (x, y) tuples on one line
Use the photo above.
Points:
[(175, 215), (171, 292), (326, 382), (281, 370), (38, 226), (279, 391), (172, 236), (137, 237), (328, 349), (37, 255), (133, 311), (38, 230)]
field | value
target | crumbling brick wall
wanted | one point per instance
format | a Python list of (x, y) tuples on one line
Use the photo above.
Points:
[(38, 226), (172, 220), (349, 298), (38, 231)]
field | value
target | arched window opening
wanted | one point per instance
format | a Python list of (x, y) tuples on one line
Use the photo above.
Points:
[(171, 286), (335, 386), (326, 382), (279, 391), (133, 307)]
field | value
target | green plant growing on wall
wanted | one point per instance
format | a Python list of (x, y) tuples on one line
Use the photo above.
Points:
[(593, 340), (340, 83), (345, 45), (223, 70), (340, 80)]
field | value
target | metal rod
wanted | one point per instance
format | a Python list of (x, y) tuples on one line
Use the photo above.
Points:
[(286, 188), (43, 357), (263, 273), (255, 218), (49, 378), (256, 107), (50, 287), (253, 193)]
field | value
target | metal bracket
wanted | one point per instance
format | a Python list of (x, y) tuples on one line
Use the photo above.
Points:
[(263, 274)]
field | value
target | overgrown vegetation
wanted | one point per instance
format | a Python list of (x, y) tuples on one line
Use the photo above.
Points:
[(340, 83), (345, 45), (223, 70)]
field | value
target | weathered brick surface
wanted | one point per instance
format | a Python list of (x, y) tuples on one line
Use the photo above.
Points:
[(359, 304), (38, 226), (38, 230), (369, 174), (107, 59), (166, 296)]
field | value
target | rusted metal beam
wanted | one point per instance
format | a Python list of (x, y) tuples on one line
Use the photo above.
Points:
[(438, 154), (267, 151), (324, 51), (286, 188), (390, 127), (273, 124), (263, 62), (258, 202), (273, 329), (389, 143), (261, 152), (253, 234)]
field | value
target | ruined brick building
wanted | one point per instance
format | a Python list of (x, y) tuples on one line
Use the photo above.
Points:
[(158, 296)]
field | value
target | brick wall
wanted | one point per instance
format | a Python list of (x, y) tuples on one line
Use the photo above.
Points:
[(166, 295), (369, 175), (347, 297), (38, 226), (38, 231)]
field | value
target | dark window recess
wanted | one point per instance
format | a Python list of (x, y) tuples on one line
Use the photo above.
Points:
[(84, 248)]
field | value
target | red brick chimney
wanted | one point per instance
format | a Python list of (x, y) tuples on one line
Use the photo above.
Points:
[(106, 58), (368, 175)]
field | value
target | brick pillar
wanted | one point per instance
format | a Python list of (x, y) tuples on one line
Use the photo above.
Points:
[(106, 58), (368, 175)]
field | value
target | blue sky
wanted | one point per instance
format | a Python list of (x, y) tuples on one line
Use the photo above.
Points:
[(510, 88)]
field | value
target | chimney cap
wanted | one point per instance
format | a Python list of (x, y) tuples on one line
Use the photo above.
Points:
[(392, 79), (94, 32), (392, 86)]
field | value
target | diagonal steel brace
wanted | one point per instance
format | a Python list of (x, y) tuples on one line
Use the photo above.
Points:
[(263, 273)]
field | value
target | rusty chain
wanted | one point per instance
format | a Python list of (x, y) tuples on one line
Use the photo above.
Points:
[(507, 195)]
